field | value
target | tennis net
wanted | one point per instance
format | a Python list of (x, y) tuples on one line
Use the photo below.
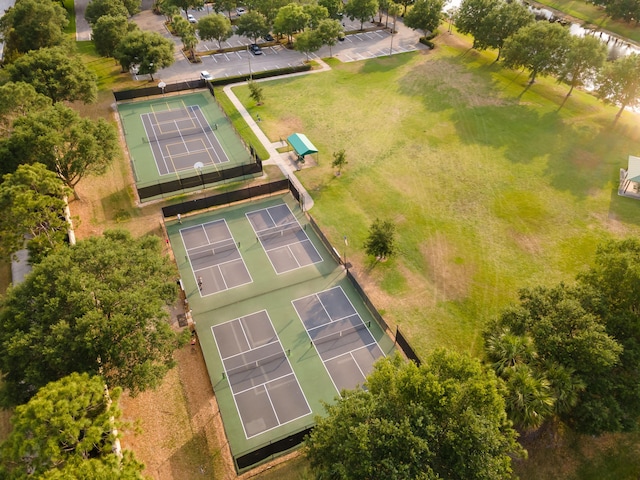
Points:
[(224, 246), (336, 335), (289, 229), (256, 364), (157, 137)]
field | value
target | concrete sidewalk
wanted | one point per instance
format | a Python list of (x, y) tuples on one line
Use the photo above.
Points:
[(282, 160)]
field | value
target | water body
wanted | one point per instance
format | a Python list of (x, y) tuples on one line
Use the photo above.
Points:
[(617, 47)]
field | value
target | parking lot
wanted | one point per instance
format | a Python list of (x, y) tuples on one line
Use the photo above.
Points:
[(359, 46)]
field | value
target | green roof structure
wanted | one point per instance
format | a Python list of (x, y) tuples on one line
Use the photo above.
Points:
[(301, 144), (633, 170)]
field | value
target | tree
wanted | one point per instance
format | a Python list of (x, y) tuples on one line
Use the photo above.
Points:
[(470, 17), (289, 20), (613, 403), (316, 14), (149, 50), (185, 5), (328, 32), (627, 10), (68, 423), (362, 10), (425, 15), (56, 74), (32, 202), (187, 33), (97, 306), (215, 27), (256, 92), (491, 23), (308, 42), (405, 4), (541, 47), (504, 22), (107, 32), (270, 9), (166, 8), (507, 351), (252, 25), (619, 83), (339, 161), (16, 100), (99, 8), (553, 351), (31, 25), (444, 419), (584, 59), (529, 400), (381, 240), (334, 7), (71, 146), (132, 6)]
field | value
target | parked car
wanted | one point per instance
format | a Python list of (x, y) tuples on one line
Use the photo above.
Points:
[(240, 11), (255, 49), (206, 75), (191, 19), (268, 38)]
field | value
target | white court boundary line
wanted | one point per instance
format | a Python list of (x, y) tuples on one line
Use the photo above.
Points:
[(324, 362), (231, 237), (263, 385)]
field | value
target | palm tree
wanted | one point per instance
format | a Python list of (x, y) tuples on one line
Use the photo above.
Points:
[(506, 350), (529, 398)]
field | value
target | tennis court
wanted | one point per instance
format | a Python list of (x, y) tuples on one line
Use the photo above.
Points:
[(343, 341), (181, 138), (214, 257), (283, 239), (265, 389), (181, 141)]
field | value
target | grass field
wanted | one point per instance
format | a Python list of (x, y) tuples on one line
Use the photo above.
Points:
[(490, 193)]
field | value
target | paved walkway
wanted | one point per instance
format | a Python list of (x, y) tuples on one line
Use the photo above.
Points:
[(282, 160)]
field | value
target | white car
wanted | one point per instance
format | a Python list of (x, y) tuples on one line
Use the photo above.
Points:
[(240, 11), (191, 19), (206, 75)]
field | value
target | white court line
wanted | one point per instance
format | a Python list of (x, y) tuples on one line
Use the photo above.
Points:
[(354, 350), (206, 134), (265, 383), (157, 143)]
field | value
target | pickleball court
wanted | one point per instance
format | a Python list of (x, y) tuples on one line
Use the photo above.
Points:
[(282, 238), (343, 341), (265, 388), (215, 260)]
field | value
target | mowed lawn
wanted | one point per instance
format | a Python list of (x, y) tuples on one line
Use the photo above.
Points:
[(490, 193)]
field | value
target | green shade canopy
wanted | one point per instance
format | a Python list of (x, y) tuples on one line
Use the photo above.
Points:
[(633, 170), (301, 144)]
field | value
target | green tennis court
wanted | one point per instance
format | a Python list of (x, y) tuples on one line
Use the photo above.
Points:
[(179, 136), (270, 365)]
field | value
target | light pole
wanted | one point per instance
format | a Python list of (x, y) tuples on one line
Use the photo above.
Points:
[(393, 29), (346, 244), (198, 167), (250, 73)]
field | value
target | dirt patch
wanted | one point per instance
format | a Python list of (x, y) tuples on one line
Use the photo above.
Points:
[(287, 125), (176, 430), (451, 277), (586, 160), (527, 243)]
